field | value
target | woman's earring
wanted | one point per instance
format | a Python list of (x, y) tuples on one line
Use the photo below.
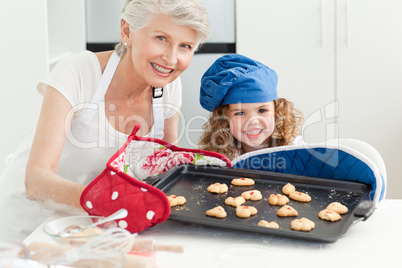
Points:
[(125, 44)]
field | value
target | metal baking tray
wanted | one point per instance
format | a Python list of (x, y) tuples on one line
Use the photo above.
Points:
[(192, 181)]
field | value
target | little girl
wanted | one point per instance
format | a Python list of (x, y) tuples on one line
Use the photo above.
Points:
[(247, 114)]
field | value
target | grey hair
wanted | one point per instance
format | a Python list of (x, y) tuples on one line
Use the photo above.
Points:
[(191, 13)]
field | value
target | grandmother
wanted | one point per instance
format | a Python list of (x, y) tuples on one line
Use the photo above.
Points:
[(91, 103)]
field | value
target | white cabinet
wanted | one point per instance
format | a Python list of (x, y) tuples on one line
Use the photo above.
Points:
[(34, 36), (370, 73), (340, 61)]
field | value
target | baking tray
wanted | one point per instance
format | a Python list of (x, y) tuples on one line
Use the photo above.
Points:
[(192, 181)]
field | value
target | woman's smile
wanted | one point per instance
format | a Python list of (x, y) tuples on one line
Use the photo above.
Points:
[(161, 51), (161, 69)]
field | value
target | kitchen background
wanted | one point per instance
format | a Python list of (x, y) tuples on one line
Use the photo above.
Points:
[(340, 61)]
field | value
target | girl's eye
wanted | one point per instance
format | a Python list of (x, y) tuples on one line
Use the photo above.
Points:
[(262, 111), (239, 113)]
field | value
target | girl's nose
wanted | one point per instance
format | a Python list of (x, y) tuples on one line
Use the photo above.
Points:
[(253, 121)]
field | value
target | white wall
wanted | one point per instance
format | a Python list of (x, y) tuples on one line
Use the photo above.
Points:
[(34, 35), (22, 65)]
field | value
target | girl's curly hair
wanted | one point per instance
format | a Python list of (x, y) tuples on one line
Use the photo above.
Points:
[(217, 136)]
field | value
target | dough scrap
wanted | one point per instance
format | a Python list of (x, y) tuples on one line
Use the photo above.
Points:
[(299, 196), (245, 211), (287, 211), (338, 208), (288, 188), (217, 188), (278, 200), (302, 224), (272, 224), (329, 215), (253, 195), (235, 201), (218, 212), (176, 200), (243, 182)]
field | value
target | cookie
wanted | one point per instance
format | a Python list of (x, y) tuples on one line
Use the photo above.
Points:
[(302, 224), (176, 200), (299, 196), (253, 195), (235, 201), (245, 211), (286, 211), (218, 212), (264, 223), (329, 215), (288, 188), (217, 188), (338, 208), (278, 200), (243, 182)]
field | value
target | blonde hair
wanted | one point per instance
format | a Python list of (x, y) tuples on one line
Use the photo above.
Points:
[(191, 13), (218, 138)]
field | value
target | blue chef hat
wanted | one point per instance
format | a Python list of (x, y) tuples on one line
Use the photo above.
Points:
[(237, 79)]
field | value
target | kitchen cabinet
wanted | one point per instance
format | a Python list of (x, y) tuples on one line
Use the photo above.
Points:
[(340, 61)]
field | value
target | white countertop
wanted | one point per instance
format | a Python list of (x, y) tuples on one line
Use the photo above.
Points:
[(371, 243)]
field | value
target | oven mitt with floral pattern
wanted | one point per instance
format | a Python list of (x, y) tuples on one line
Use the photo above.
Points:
[(146, 157), (120, 186)]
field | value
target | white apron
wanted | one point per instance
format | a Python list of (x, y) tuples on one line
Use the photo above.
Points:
[(90, 143), (93, 140)]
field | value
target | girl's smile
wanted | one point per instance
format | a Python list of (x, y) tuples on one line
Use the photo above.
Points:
[(254, 133)]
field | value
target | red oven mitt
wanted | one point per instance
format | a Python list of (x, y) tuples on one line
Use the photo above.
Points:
[(114, 189)]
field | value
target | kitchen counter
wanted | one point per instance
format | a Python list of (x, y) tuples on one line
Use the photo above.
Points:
[(371, 243)]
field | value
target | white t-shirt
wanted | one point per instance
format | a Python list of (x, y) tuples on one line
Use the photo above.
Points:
[(77, 77)]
